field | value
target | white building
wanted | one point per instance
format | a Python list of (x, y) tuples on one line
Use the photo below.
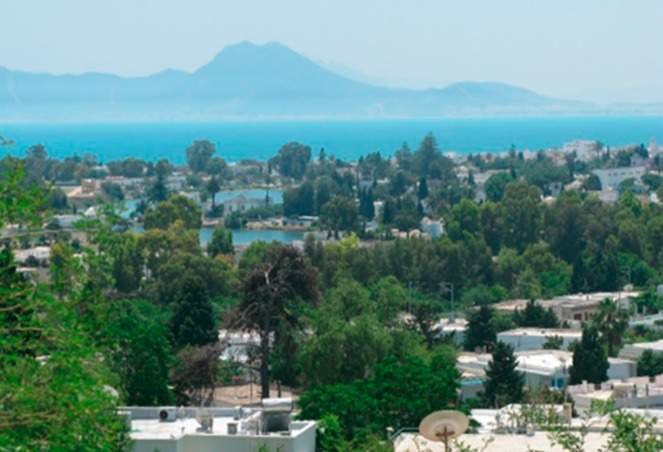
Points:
[(213, 429), (434, 228), (66, 221), (634, 351), (523, 339), (41, 253), (241, 204), (612, 177), (543, 367), (452, 328), (638, 392), (585, 150), (572, 308)]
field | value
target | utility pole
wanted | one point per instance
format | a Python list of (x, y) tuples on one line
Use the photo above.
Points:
[(447, 287)]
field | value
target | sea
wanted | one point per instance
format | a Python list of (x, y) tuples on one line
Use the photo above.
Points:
[(346, 139)]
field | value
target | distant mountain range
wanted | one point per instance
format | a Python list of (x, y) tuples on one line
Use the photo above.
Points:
[(257, 81)]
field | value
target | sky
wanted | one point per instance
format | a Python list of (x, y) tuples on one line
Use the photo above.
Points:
[(596, 50)]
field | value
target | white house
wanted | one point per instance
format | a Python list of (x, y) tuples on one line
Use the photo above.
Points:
[(241, 204), (434, 228), (638, 392), (522, 339), (212, 429), (543, 367), (634, 351), (612, 177)]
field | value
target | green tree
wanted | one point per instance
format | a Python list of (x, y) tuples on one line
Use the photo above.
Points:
[(213, 188), (422, 190), (535, 315), (553, 343), (221, 242), (192, 321), (480, 330), (63, 268), (128, 263), (198, 155), (504, 384), (402, 392), (292, 160), (176, 208), (590, 361), (521, 215), (339, 214), (495, 186), (650, 363), (140, 353), (52, 382), (611, 322)]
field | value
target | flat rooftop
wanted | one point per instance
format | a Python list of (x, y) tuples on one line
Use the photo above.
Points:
[(543, 332), (145, 423)]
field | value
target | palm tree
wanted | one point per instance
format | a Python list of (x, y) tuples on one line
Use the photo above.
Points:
[(611, 321)]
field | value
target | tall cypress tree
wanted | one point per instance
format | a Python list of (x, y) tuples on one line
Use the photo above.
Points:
[(192, 320), (504, 383), (480, 330), (590, 361)]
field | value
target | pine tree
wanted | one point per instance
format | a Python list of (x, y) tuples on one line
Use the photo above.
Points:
[(480, 330), (590, 361), (192, 321), (423, 189), (504, 383)]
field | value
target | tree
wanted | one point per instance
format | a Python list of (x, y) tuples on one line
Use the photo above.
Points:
[(221, 242), (339, 214), (650, 363), (553, 343), (195, 375), (113, 191), (213, 188), (139, 351), (504, 384), (611, 322), (176, 208), (52, 382), (272, 293), (590, 362), (521, 215), (480, 330), (128, 263), (496, 184), (158, 191), (198, 155), (422, 190), (402, 391), (292, 160), (426, 155), (63, 267), (192, 321), (535, 315)]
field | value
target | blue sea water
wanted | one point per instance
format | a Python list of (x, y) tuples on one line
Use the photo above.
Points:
[(345, 139)]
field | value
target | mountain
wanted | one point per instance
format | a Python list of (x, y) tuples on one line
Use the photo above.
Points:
[(247, 80)]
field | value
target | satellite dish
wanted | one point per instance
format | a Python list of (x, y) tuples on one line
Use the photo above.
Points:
[(441, 426)]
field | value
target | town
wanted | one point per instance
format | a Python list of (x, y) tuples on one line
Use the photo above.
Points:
[(309, 303)]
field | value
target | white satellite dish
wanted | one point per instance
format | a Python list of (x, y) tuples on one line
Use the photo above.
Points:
[(442, 426)]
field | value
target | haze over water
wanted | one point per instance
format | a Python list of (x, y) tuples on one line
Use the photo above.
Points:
[(345, 139)]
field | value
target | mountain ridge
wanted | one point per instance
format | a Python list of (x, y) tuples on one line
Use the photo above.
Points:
[(244, 80)]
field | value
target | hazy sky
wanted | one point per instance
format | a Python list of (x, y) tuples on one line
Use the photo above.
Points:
[(601, 50)]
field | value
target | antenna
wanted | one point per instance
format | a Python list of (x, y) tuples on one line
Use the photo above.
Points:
[(441, 426)]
